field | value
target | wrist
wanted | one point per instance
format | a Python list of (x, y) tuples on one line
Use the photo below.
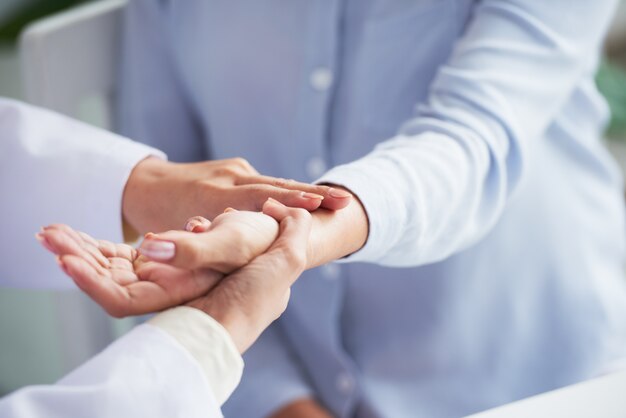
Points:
[(337, 234), (139, 193), (232, 320)]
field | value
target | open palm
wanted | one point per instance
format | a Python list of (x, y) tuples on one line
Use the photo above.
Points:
[(121, 280)]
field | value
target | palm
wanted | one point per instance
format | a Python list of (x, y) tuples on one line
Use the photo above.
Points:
[(118, 278)]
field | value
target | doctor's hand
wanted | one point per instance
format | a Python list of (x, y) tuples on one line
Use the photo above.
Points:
[(161, 195), (251, 298)]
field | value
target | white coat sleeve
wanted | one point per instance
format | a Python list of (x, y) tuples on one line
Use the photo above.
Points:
[(180, 364), (443, 182), (56, 170)]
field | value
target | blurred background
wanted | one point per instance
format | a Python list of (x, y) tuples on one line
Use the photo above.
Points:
[(32, 341)]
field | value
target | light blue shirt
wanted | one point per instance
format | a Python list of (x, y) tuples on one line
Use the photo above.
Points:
[(470, 131)]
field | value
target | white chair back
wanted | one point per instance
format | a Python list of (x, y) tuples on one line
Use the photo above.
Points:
[(69, 64), (69, 61)]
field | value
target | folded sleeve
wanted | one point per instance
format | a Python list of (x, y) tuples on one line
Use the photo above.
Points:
[(442, 183), (273, 378), (146, 373), (56, 170), (209, 343)]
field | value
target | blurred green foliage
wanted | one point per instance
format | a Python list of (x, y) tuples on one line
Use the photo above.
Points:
[(611, 80), (11, 28)]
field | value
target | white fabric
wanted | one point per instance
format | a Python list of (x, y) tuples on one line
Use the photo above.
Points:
[(195, 330), (56, 170), (146, 373), (53, 169)]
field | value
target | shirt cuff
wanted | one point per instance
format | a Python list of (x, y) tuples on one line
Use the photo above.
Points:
[(209, 343), (379, 201)]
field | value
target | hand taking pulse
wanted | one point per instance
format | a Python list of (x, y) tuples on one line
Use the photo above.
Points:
[(125, 282), (161, 195)]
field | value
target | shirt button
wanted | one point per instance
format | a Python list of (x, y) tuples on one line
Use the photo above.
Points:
[(315, 167), (321, 79), (344, 383), (331, 271)]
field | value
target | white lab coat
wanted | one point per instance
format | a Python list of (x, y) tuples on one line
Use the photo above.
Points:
[(53, 169)]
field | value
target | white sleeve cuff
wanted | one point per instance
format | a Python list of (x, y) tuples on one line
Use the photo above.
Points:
[(379, 201), (209, 343)]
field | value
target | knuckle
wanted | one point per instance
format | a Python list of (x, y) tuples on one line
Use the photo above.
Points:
[(280, 182), (226, 171), (242, 164)]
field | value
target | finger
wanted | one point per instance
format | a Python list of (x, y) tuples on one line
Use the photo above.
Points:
[(64, 244), (292, 241), (178, 285), (83, 240), (188, 250), (197, 224), (106, 293), (334, 198), (257, 194), (45, 243)]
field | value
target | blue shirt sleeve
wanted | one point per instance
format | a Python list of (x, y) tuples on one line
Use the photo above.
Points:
[(441, 184)]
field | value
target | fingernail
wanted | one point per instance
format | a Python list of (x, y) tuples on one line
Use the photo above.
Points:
[(229, 210), (192, 225), (197, 228), (149, 235), (62, 265), (158, 250), (43, 241), (338, 193), (315, 196)]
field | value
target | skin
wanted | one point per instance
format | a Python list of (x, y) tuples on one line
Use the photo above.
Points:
[(124, 282), (245, 302), (334, 234), (160, 195)]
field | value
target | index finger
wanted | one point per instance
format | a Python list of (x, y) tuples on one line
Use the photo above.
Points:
[(334, 198)]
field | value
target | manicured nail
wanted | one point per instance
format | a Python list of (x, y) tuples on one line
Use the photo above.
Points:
[(158, 250), (338, 193), (229, 209), (149, 235), (314, 196), (43, 241)]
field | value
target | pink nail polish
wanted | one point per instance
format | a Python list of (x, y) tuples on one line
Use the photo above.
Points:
[(339, 194), (158, 250), (314, 196)]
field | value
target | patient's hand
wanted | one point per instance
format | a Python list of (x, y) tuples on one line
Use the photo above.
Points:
[(233, 240), (118, 278), (126, 282)]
